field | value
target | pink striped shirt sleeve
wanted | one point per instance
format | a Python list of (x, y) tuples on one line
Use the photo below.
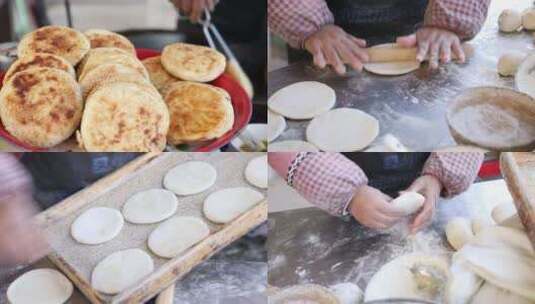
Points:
[(463, 17), (13, 176)]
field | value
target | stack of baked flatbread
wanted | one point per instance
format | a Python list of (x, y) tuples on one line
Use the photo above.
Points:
[(116, 102)]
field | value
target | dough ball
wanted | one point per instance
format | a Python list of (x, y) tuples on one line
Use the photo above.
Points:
[(528, 19), (503, 211), (190, 178), (347, 293), (150, 206), (509, 21), (225, 205), (97, 225), (408, 202), (509, 62), (458, 232), (176, 235), (43, 286), (256, 172)]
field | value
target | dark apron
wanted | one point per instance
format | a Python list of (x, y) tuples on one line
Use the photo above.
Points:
[(376, 21), (58, 175), (390, 172)]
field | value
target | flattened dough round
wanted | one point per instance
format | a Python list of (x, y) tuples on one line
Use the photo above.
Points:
[(176, 235), (304, 294), (276, 125), (343, 130), (256, 172), (150, 206), (97, 225), (190, 178), (525, 76), (120, 270), (225, 205), (43, 286), (303, 100), (391, 68)]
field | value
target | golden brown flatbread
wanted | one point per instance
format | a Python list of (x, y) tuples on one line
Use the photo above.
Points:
[(158, 75), (100, 56), (39, 60), (193, 62), (104, 38), (109, 73)]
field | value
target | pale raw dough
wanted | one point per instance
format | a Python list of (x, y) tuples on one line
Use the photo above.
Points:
[(513, 222), (256, 172), (121, 270), (43, 286), (304, 294), (97, 225), (391, 68), (492, 294), (408, 202), (343, 130), (509, 21), (479, 224), (528, 19), (150, 206), (503, 211), (509, 62), (462, 284), (459, 232), (388, 143), (190, 178), (225, 205), (177, 234), (347, 293), (395, 279), (525, 76), (292, 146), (276, 125), (303, 100)]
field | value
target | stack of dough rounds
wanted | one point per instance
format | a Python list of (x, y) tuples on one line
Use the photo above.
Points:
[(193, 62), (39, 60), (150, 206), (256, 172), (225, 205), (198, 112), (124, 117), (97, 225), (158, 75), (58, 40), (41, 106), (190, 178), (99, 56), (177, 234), (103, 38), (109, 73), (44, 286)]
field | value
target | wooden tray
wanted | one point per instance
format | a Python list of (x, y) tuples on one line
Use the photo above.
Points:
[(518, 170), (78, 260)]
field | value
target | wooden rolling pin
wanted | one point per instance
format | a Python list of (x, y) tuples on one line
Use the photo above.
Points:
[(395, 53), (166, 296)]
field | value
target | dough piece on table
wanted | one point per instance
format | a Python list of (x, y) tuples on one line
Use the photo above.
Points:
[(503, 211), (525, 76), (97, 225), (292, 146), (388, 143), (509, 62), (408, 202), (509, 21), (492, 294), (150, 206), (396, 280), (393, 68), (276, 125), (256, 172), (303, 100), (225, 205), (462, 284), (43, 286), (528, 19), (347, 293), (343, 130), (479, 224), (176, 235), (513, 222), (121, 270), (304, 294), (459, 232), (190, 178)]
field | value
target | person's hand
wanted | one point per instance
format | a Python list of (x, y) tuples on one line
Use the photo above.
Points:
[(371, 208), (194, 8), (430, 187), (436, 45), (20, 241), (331, 45)]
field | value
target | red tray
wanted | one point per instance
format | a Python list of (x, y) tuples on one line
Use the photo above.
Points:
[(242, 104)]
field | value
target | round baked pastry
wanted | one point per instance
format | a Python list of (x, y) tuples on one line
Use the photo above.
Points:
[(104, 38), (58, 40), (41, 106), (109, 73), (198, 112), (39, 60), (193, 62), (159, 77), (124, 117), (100, 56)]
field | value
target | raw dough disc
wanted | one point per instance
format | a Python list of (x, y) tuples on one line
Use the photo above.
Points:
[(395, 279), (43, 286), (408, 202), (97, 225), (276, 125), (190, 178), (121, 270), (225, 205), (256, 172), (391, 68), (176, 235), (292, 146), (150, 206), (343, 130), (303, 100), (308, 293), (459, 232), (525, 76)]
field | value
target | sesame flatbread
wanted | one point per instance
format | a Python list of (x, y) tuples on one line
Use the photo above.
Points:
[(39, 60), (193, 62), (159, 77), (123, 117), (99, 56), (41, 106), (109, 73), (198, 112), (58, 40), (103, 38)]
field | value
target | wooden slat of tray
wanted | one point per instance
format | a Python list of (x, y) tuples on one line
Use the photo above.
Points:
[(149, 167), (518, 170)]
